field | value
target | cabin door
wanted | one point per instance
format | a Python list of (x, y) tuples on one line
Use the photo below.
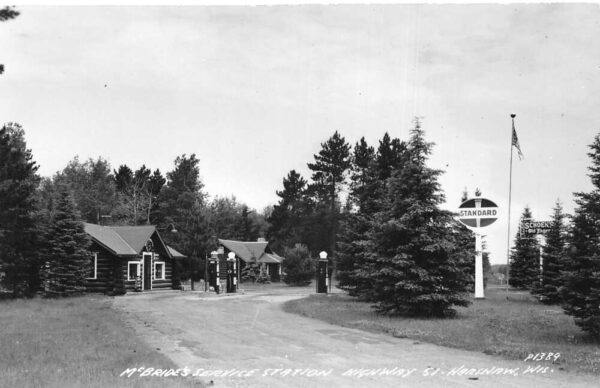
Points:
[(147, 271)]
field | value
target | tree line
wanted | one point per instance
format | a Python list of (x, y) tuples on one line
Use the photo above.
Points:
[(42, 239), (376, 210), (568, 273), (390, 241)]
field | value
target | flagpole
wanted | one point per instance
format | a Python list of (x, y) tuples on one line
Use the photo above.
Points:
[(509, 201)]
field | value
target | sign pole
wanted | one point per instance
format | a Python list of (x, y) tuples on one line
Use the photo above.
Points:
[(478, 213), (541, 242), (479, 293)]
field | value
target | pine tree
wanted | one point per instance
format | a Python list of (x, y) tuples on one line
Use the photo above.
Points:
[(361, 176), (123, 178), (524, 259), (288, 217), (368, 181), (353, 228), (553, 260), (18, 235), (182, 204), (67, 258), (416, 262), (329, 174), (580, 289)]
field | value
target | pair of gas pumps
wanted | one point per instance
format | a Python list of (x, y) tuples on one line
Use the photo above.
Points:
[(214, 278)]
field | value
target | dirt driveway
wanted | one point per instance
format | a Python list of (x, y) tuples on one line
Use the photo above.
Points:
[(246, 340)]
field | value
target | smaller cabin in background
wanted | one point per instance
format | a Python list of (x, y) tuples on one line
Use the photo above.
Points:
[(254, 251), (129, 258)]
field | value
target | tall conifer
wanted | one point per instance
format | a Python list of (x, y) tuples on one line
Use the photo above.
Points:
[(416, 263), (329, 175), (581, 277), (67, 260), (525, 259), (371, 170), (18, 236), (553, 260)]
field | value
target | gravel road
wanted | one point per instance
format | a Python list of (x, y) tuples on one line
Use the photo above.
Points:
[(246, 340)]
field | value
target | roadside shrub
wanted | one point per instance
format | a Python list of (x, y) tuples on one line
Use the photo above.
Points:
[(298, 266)]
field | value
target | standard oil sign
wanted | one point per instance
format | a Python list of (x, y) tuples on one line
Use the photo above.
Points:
[(478, 212)]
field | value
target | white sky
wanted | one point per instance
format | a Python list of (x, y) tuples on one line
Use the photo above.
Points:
[(253, 91)]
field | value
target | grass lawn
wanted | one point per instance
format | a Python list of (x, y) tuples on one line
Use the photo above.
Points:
[(511, 327), (75, 342)]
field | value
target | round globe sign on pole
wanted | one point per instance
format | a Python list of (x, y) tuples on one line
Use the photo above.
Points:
[(478, 213)]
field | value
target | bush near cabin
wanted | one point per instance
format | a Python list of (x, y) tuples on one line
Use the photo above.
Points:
[(298, 266)]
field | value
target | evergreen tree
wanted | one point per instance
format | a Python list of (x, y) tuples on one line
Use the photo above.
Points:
[(361, 174), (123, 178), (355, 222), (329, 174), (67, 258), (553, 260), (371, 171), (288, 217), (153, 188), (390, 154), (245, 227), (182, 204), (18, 207), (524, 259), (581, 276), (416, 263)]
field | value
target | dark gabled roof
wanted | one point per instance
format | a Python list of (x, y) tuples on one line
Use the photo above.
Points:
[(126, 240), (135, 236), (251, 250), (110, 239)]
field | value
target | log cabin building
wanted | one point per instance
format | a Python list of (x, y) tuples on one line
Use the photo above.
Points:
[(252, 251), (129, 258)]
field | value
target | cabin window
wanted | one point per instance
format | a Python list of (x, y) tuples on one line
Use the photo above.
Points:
[(159, 270), (93, 266), (133, 269)]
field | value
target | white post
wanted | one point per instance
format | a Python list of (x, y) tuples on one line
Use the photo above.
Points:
[(541, 266), (478, 267)]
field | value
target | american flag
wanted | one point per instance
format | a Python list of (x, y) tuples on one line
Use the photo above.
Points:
[(515, 141)]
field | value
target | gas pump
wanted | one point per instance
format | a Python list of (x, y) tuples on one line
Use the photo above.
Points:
[(322, 278), (231, 273), (213, 271)]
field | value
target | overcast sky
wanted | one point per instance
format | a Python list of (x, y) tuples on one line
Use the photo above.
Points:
[(253, 91)]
